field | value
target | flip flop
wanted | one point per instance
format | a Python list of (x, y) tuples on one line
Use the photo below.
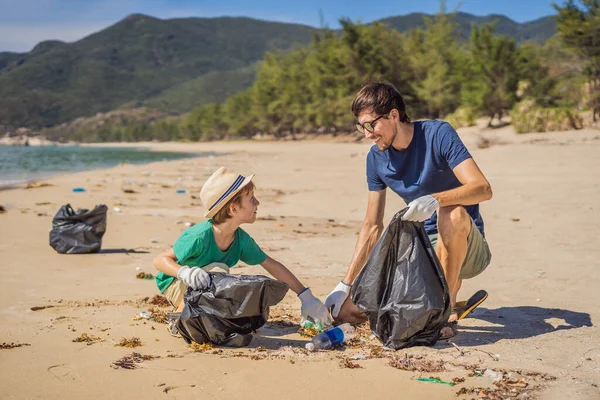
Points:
[(464, 308)]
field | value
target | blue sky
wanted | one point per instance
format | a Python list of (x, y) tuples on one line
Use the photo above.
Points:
[(24, 23)]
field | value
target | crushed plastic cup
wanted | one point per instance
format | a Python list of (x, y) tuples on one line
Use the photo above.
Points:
[(144, 315)]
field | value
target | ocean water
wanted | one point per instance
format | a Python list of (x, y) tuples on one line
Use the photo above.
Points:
[(21, 164)]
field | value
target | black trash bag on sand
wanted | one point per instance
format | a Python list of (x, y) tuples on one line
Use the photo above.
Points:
[(402, 288), (231, 309), (78, 232)]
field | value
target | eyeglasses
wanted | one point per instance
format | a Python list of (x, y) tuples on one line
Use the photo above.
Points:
[(368, 126)]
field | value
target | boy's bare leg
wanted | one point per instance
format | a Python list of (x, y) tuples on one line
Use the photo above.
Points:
[(350, 313)]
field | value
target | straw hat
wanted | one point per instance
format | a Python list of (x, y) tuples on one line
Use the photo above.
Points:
[(220, 188)]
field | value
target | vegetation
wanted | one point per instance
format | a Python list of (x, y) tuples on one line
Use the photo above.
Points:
[(171, 65), (309, 88)]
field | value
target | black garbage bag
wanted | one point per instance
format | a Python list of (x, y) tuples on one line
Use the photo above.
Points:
[(78, 232), (402, 288), (233, 306)]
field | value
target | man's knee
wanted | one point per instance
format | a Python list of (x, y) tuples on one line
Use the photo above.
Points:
[(453, 220)]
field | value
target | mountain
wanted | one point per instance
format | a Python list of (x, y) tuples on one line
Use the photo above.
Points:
[(172, 65), (539, 30), (135, 59)]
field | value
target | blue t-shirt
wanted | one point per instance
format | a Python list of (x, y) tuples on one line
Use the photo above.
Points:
[(425, 167)]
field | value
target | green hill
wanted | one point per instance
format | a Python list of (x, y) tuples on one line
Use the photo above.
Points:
[(135, 59), (172, 65), (539, 30)]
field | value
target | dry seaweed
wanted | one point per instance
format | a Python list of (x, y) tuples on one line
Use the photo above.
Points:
[(160, 301), (144, 275), (8, 346), (38, 308), (130, 342), (457, 380), (159, 316), (88, 339), (348, 363), (131, 361), (308, 331), (200, 348), (413, 363)]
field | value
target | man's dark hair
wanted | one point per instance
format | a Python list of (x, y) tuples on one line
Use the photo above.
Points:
[(379, 98)]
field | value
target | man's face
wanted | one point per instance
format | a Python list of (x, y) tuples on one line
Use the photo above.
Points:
[(384, 130)]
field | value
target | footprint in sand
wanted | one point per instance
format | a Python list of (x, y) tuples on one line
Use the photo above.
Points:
[(64, 372)]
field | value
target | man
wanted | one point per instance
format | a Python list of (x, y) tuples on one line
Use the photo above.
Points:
[(429, 167)]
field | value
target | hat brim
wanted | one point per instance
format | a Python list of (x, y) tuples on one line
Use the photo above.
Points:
[(211, 213)]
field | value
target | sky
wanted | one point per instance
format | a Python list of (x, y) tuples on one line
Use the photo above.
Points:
[(24, 23)]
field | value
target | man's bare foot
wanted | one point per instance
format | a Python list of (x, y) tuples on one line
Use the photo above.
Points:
[(449, 330)]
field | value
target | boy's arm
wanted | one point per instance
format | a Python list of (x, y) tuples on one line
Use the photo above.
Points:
[(166, 262), (281, 273)]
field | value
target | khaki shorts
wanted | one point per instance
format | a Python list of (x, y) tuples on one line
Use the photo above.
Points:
[(174, 292), (478, 253)]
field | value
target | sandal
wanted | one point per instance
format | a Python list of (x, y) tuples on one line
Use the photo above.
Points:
[(452, 325), (463, 308)]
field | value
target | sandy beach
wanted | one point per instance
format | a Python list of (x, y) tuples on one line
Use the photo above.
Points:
[(538, 328)]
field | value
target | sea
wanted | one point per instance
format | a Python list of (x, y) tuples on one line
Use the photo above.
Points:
[(22, 164)]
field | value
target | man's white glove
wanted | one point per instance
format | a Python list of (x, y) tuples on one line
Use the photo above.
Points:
[(337, 297), (313, 310), (421, 209), (196, 277)]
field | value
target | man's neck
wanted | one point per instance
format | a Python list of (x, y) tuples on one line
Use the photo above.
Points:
[(404, 136)]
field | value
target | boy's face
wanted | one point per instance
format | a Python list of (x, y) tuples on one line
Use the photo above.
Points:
[(248, 209)]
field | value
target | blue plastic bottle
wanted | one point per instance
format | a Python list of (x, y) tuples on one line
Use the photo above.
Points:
[(331, 337)]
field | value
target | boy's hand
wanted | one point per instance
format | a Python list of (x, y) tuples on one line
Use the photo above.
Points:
[(337, 297), (313, 309), (196, 278)]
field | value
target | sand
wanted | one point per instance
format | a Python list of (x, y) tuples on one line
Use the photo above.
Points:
[(541, 316)]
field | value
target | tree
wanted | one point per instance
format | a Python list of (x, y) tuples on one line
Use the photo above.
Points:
[(493, 86), (433, 61), (578, 24)]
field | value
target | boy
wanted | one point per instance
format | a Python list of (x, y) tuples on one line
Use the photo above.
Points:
[(220, 242)]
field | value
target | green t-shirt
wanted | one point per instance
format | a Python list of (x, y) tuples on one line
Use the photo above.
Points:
[(196, 247)]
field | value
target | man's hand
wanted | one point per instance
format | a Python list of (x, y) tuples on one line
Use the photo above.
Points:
[(337, 297), (196, 278), (421, 209), (313, 310)]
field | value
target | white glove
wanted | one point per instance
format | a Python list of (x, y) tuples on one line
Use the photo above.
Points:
[(195, 277), (313, 310), (421, 209), (337, 297)]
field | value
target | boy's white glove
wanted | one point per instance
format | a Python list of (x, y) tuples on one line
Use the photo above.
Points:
[(313, 310), (421, 209), (337, 297), (195, 277)]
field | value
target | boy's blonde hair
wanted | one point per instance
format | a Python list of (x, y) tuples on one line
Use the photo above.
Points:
[(225, 213)]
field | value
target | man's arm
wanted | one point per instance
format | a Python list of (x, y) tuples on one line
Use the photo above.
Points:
[(369, 234), (371, 229), (475, 187)]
